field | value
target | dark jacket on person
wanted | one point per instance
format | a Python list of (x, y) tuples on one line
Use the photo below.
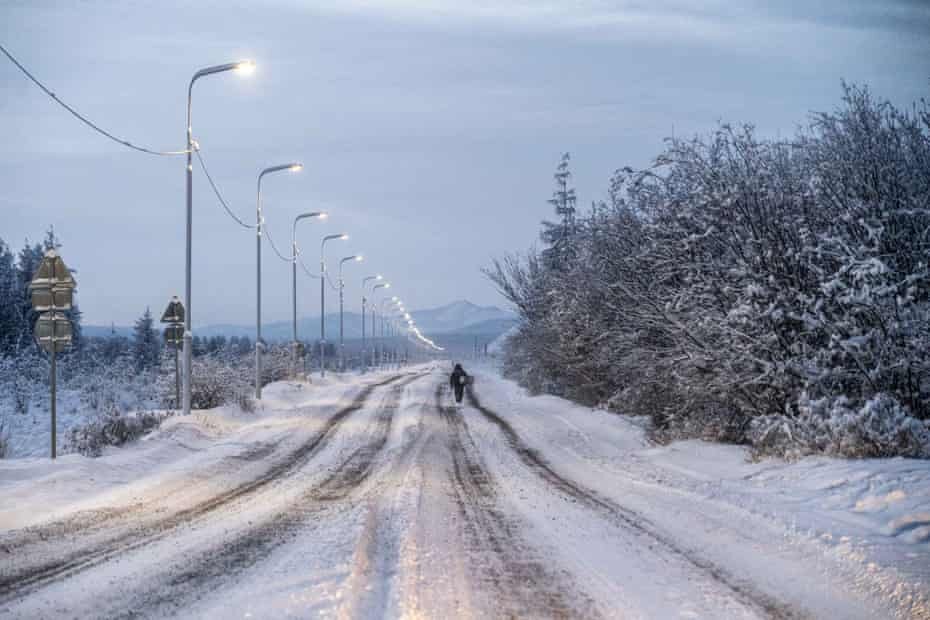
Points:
[(457, 381)]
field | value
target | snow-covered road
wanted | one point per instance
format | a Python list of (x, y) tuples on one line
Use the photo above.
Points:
[(377, 497)]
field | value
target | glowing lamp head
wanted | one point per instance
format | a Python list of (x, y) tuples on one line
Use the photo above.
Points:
[(323, 215), (359, 258), (344, 237), (245, 67), (297, 167)]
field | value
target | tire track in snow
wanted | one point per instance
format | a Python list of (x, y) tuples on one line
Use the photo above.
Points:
[(526, 586), (220, 563), (16, 584), (375, 563), (744, 591)]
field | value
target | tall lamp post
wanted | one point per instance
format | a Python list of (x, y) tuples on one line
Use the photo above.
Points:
[(374, 334), (342, 347), (341, 237), (243, 67), (365, 282), (383, 318), (259, 222), (295, 253)]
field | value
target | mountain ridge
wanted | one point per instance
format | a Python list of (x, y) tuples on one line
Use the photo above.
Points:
[(459, 316)]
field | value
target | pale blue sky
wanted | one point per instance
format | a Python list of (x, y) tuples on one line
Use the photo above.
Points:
[(429, 129)]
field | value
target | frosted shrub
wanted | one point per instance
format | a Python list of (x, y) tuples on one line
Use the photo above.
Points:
[(879, 428), (112, 428), (216, 382)]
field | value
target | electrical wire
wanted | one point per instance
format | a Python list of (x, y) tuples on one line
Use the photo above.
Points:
[(82, 118), (274, 247), (330, 280), (216, 191), (315, 276)]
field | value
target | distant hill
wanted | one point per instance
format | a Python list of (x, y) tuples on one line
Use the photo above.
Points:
[(491, 327), (459, 317)]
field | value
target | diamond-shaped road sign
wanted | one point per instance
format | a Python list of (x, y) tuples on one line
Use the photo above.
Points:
[(53, 329), (174, 313)]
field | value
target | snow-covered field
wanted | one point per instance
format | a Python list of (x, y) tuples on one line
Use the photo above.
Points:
[(374, 496)]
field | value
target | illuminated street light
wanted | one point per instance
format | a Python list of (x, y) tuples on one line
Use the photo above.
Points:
[(292, 167), (243, 67), (342, 356), (295, 253), (365, 281), (341, 237)]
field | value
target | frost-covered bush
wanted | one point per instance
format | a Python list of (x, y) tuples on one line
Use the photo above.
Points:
[(219, 380), (714, 289), (112, 428), (881, 427)]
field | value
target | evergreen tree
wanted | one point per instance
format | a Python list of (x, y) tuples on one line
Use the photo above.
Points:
[(146, 346), (558, 236), (10, 305), (29, 259)]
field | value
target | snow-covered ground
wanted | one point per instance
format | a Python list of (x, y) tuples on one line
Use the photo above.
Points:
[(375, 496)]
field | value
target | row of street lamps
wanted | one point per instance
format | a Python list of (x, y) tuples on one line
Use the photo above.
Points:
[(247, 67)]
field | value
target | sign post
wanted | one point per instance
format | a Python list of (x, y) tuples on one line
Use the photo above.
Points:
[(52, 289), (174, 336)]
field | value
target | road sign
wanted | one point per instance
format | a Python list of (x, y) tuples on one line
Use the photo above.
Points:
[(46, 299), (174, 313), (52, 289), (52, 285), (174, 335), (53, 328)]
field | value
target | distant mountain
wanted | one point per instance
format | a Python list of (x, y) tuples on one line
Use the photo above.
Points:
[(457, 316), (460, 317), (491, 327)]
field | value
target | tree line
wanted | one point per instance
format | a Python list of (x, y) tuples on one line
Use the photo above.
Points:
[(773, 292)]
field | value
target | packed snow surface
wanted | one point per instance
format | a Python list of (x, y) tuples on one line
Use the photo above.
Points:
[(376, 496)]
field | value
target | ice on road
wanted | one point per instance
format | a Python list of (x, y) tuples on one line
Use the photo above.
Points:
[(377, 496)]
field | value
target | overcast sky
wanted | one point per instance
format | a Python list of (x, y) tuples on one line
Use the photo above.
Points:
[(429, 130)]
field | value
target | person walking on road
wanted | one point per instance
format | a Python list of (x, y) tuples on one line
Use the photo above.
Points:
[(458, 380)]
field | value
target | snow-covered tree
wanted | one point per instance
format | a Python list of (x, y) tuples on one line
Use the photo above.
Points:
[(146, 345), (738, 280)]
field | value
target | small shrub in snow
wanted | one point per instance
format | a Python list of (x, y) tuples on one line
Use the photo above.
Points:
[(879, 428), (216, 382), (112, 428)]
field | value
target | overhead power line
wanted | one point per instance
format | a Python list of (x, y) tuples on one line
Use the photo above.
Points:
[(273, 246), (81, 117), (219, 196)]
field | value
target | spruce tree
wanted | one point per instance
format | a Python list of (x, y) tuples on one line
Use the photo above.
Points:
[(558, 236), (146, 346), (10, 306)]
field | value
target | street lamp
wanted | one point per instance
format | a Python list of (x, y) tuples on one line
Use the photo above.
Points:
[(244, 67), (374, 333), (365, 281), (295, 253), (342, 347), (292, 167), (341, 237), (393, 300)]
